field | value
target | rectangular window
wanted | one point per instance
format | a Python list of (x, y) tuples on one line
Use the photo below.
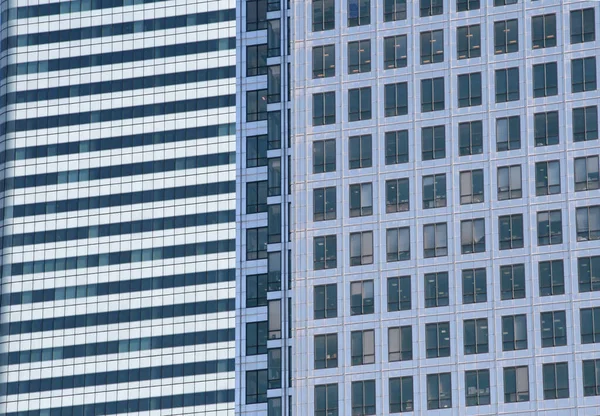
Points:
[(274, 223), (323, 108), (359, 12), (324, 204), (583, 74), (274, 271), (436, 290), (547, 178), (256, 243), (256, 15), (274, 406), (514, 333), (396, 147), (274, 176), (439, 391), (323, 61), (363, 398), (585, 123), (588, 269), (587, 177), (394, 10), (359, 104), (256, 291), (583, 25), (543, 31), (431, 7), (362, 298), (256, 60), (360, 151), (432, 47), (435, 240), (326, 399), (546, 128), (506, 36), (477, 387), (325, 252), (471, 187), (556, 381), (545, 80), (590, 325), (274, 314), (472, 236), (396, 99), (552, 277), (324, 156), (256, 386), (274, 38), (437, 339), (432, 94), (400, 343), (516, 384), (507, 85), (466, 5), (256, 338), (397, 195), (274, 368), (398, 244), (395, 52), (475, 336), (361, 199), (433, 142), (325, 301), (509, 182), (256, 151), (508, 133), (361, 248), (274, 5), (588, 223), (401, 394), (362, 347), (511, 231), (434, 191), (554, 329), (512, 282), (256, 105), (469, 90), (549, 227), (359, 56), (398, 294), (256, 197), (468, 41), (274, 84), (474, 286), (326, 351), (470, 138), (274, 129), (504, 2)]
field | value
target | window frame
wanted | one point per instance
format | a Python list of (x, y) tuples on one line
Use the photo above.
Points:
[(519, 373), (512, 281), (549, 227), (468, 42), (367, 304), (365, 239), (472, 179), (435, 334), (399, 58), (516, 341), (443, 249), (515, 241), (544, 36), (430, 90), (399, 295), (592, 178), (471, 278), (473, 85), (504, 40), (553, 328), (397, 195), (436, 289)]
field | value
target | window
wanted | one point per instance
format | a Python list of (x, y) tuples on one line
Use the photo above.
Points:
[(586, 173), (323, 16), (547, 178), (431, 7), (256, 386), (585, 123), (274, 314), (471, 187), (546, 128), (394, 10), (397, 195), (434, 191), (543, 31), (256, 15), (398, 294), (256, 290), (432, 47), (583, 74), (363, 398), (274, 177), (274, 271), (396, 147), (256, 243), (395, 52), (507, 85), (469, 89), (256, 151), (274, 223), (361, 199), (274, 368), (472, 236), (396, 99), (556, 381), (359, 104), (274, 129), (439, 391), (325, 255), (549, 227), (325, 301), (323, 61), (324, 204), (323, 108), (274, 84), (552, 277), (436, 289), (433, 142), (362, 347), (361, 248), (437, 339), (504, 2), (512, 282), (591, 378), (588, 223), (360, 151), (506, 36), (274, 38), (359, 56), (474, 286), (554, 329), (590, 325), (477, 387), (274, 5), (274, 406), (435, 240), (256, 338), (583, 26), (516, 384), (511, 231), (508, 133), (398, 244), (326, 400), (545, 80), (359, 12), (400, 343), (514, 333), (465, 5), (324, 156), (326, 351), (432, 94), (588, 269), (476, 336), (256, 60), (468, 41), (401, 394), (362, 298), (470, 138), (256, 105), (509, 182)]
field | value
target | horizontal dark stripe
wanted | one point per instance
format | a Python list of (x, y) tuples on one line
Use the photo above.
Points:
[(117, 171), (118, 257), (117, 228), (120, 57), (135, 405), (116, 29), (119, 85), (117, 376), (114, 200), (114, 114), (117, 142), (116, 317), (115, 347)]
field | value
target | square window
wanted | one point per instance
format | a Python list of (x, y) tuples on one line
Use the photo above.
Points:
[(583, 25), (394, 10), (431, 7), (359, 12)]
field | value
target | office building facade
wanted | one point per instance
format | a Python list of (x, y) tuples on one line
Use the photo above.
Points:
[(117, 131)]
